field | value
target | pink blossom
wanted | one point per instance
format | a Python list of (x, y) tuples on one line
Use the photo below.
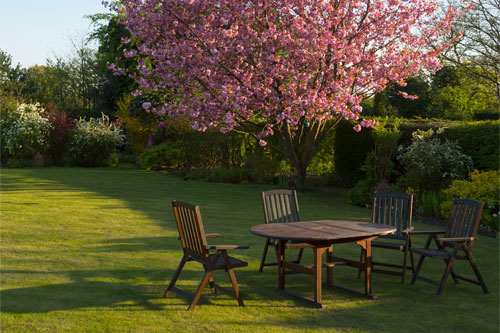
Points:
[(161, 124), (262, 143), (146, 106), (279, 62), (357, 128)]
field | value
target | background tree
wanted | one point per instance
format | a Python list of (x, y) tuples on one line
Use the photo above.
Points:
[(418, 86), (478, 50), (109, 34), (11, 77), (288, 68)]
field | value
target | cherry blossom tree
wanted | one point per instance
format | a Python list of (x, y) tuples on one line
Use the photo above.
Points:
[(289, 68)]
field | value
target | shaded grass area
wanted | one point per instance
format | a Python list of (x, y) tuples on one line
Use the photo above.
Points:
[(94, 249)]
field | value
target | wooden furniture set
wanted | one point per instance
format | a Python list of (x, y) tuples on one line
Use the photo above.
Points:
[(391, 224)]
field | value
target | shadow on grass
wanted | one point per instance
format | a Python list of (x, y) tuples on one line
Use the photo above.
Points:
[(138, 244), (76, 295)]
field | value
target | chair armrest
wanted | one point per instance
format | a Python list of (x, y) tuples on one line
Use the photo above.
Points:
[(226, 247), (408, 230), (429, 232), (456, 239), (214, 235)]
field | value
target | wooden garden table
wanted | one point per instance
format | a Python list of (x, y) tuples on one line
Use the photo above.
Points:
[(322, 235)]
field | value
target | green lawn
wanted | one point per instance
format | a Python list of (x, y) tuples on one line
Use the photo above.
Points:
[(94, 249)]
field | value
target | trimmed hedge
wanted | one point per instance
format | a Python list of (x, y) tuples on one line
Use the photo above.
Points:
[(478, 139)]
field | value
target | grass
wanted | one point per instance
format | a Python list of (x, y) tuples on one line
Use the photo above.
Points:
[(93, 250)]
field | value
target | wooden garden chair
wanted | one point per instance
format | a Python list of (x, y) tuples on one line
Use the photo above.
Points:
[(194, 244), (280, 206), (394, 209), (460, 234)]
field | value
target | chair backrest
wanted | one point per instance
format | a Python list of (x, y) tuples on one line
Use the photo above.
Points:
[(464, 220), (191, 231), (280, 206), (394, 209)]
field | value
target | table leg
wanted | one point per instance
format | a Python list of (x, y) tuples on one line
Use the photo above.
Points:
[(318, 253), (281, 266), (329, 270), (367, 264)]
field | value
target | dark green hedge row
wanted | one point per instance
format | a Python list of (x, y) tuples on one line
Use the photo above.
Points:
[(478, 139)]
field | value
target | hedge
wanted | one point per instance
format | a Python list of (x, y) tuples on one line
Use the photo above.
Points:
[(478, 139)]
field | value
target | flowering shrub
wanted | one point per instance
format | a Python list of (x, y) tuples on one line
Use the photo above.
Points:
[(94, 141), (431, 165), (24, 131), (484, 187)]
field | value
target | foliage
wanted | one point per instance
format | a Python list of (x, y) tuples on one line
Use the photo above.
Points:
[(483, 186), (94, 141), (400, 106), (267, 69), (11, 77), (431, 165), (360, 194), (62, 127), (458, 95), (477, 51), (428, 204), (162, 157), (24, 131), (480, 140), (139, 126), (262, 165), (378, 165), (112, 88), (350, 149), (234, 175)]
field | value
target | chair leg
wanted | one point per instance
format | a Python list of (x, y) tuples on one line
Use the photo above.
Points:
[(175, 277), (476, 270), (403, 275), (206, 278), (447, 272), (236, 289), (299, 256), (212, 285), (232, 277), (264, 254), (417, 270)]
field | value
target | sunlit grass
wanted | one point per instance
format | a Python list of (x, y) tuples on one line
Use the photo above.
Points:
[(94, 249)]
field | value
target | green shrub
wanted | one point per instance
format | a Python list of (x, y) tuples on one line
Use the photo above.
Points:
[(94, 141), (161, 157), (479, 139), (430, 165), (227, 175), (482, 186), (262, 165), (429, 204), (24, 131), (360, 194)]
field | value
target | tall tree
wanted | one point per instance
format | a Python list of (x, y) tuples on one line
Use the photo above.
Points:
[(109, 34), (292, 68), (478, 49)]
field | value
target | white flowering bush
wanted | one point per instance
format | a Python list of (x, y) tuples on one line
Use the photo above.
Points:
[(24, 131), (94, 141), (431, 165)]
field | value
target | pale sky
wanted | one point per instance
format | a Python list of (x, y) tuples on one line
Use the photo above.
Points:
[(33, 30)]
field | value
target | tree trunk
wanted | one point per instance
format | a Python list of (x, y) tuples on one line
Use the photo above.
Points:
[(301, 146)]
